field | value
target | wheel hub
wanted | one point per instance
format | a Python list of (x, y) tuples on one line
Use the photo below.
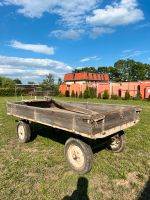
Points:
[(115, 142), (76, 156), (21, 132)]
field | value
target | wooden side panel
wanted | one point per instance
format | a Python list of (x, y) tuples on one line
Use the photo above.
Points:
[(91, 120), (83, 126), (54, 118)]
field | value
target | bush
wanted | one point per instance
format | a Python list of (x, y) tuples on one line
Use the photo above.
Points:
[(148, 98), (80, 95), (99, 96), (86, 93), (105, 95), (72, 94), (67, 93), (127, 95), (76, 95), (89, 93), (138, 96), (114, 97), (12, 91), (60, 95)]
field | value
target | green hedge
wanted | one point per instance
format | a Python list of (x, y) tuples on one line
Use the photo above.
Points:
[(11, 91)]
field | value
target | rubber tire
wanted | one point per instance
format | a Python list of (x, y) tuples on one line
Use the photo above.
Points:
[(122, 139), (27, 132), (87, 152)]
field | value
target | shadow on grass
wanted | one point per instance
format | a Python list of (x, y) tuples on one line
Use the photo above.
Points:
[(145, 194), (61, 136), (56, 135), (81, 192)]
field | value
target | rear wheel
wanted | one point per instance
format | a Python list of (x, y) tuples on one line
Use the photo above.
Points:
[(78, 155), (23, 131), (117, 142)]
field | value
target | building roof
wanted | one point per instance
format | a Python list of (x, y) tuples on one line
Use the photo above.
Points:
[(26, 85), (86, 76)]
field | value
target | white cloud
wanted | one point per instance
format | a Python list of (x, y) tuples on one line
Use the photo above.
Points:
[(38, 48), (32, 62), (133, 53), (68, 34), (98, 31), (42, 72), (70, 11), (146, 25), (21, 67), (77, 17), (92, 58), (127, 51), (8, 70), (122, 13)]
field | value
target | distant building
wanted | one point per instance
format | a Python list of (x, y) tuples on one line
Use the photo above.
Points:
[(85, 77), (29, 87), (78, 82)]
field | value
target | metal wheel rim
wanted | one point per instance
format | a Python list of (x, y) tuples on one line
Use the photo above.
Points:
[(21, 132), (76, 156), (115, 142)]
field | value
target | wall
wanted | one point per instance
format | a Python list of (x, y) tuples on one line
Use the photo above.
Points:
[(118, 89), (145, 89)]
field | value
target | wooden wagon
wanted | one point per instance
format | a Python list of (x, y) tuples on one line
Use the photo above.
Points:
[(89, 120)]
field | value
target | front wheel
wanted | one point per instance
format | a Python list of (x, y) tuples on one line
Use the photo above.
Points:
[(23, 131), (79, 155), (117, 142)]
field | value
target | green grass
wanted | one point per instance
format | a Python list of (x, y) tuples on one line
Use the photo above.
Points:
[(37, 170)]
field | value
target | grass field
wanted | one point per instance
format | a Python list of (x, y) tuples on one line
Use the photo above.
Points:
[(37, 170)]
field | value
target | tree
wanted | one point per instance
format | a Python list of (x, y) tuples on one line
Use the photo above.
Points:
[(48, 83), (73, 94), (0, 81), (148, 71), (86, 93), (59, 81), (6, 83), (67, 93), (127, 95), (99, 96), (103, 70), (86, 69), (105, 95), (89, 93), (80, 95), (76, 95), (31, 82), (130, 70), (114, 74), (17, 81)]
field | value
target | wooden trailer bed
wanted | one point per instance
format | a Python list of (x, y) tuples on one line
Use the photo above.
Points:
[(90, 120)]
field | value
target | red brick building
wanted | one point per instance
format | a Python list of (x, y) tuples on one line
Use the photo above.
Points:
[(78, 82)]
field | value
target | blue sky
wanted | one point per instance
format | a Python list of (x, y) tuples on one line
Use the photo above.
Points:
[(53, 36)]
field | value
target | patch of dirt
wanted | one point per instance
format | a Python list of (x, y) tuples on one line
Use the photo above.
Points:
[(131, 178), (32, 174), (122, 182), (148, 162), (68, 173), (53, 173), (51, 176)]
